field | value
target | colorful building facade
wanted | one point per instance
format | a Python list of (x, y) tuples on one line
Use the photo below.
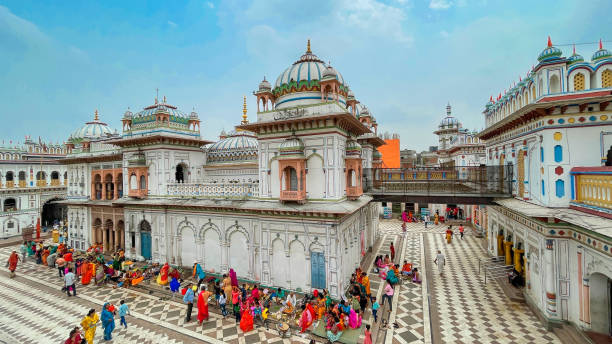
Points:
[(553, 130)]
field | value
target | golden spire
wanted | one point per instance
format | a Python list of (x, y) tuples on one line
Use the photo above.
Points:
[(244, 112), (96, 118), (308, 51)]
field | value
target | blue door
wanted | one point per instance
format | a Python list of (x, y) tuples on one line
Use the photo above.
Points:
[(145, 244), (317, 270)]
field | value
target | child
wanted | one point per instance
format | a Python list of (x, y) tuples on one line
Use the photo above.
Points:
[(367, 335), (123, 311), (407, 268), (375, 307), (222, 301)]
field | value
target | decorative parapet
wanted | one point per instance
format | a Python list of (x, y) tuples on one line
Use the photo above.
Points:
[(592, 190), (213, 190)]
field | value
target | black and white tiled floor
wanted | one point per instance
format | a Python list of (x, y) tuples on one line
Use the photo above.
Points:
[(168, 314)]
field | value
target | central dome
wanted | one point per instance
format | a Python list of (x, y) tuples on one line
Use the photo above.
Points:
[(92, 131), (303, 76), (237, 146)]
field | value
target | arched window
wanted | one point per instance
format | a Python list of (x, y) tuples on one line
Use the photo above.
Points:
[(554, 84), (54, 175), (10, 176), (291, 179), (179, 175), (10, 204), (133, 182), (559, 188), (143, 183), (97, 187), (606, 78), (579, 82), (22, 176)]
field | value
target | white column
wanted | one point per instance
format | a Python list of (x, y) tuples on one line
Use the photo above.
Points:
[(549, 275)]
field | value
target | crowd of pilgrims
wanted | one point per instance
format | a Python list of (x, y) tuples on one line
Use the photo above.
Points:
[(248, 302)]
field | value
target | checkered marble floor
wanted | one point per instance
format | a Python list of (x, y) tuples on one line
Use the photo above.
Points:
[(470, 311), (29, 315), (169, 314)]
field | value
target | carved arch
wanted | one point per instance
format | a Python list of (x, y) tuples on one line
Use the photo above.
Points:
[(316, 246), (210, 226), (236, 227), (186, 223)]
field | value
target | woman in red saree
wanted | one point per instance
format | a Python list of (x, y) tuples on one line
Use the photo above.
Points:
[(203, 305), (306, 318), (246, 321), (89, 271), (12, 263), (162, 278)]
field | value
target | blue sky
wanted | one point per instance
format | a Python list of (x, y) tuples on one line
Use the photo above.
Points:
[(404, 59)]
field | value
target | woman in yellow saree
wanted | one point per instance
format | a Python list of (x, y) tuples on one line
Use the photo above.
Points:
[(89, 324)]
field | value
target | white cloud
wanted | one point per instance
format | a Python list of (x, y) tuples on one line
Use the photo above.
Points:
[(444, 33), (210, 4), (172, 24), (440, 4)]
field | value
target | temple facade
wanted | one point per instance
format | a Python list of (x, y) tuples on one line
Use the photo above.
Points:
[(278, 199), (553, 132), (32, 176)]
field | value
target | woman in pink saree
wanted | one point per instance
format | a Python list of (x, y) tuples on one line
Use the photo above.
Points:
[(233, 278)]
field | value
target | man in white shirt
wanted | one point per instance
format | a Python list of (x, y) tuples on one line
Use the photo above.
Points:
[(440, 262), (290, 302), (69, 282)]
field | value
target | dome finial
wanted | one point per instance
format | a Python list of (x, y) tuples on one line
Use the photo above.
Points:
[(574, 49), (308, 51), (244, 112), (164, 100), (600, 44), (96, 118), (448, 110), (549, 42)]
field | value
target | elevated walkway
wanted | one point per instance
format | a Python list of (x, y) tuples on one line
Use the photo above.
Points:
[(457, 184)]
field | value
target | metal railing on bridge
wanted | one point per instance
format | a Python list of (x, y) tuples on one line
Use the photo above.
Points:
[(439, 182)]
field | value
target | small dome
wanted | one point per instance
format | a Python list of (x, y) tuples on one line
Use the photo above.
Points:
[(575, 58), (376, 155), (551, 52), (92, 130), (601, 53), (128, 114), (449, 121), (237, 145), (329, 73), (292, 146), (264, 85), (193, 115), (353, 148), (364, 112), (350, 94)]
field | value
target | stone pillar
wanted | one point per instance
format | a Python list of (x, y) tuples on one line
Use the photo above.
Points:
[(580, 288), (526, 266), (586, 302), (500, 245), (549, 275), (104, 243), (116, 240), (507, 251), (115, 187), (517, 260), (93, 190), (103, 190)]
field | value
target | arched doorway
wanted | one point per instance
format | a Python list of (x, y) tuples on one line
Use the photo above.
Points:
[(120, 229), (97, 231), (239, 253), (145, 239), (290, 181), (119, 185), (600, 303), (297, 257), (279, 263), (180, 175), (110, 187), (98, 186), (52, 213), (212, 250), (109, 236), (188, 253)]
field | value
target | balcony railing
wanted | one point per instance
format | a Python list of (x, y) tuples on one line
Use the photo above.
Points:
[(292, 195), (214, 190), (592, 190), (10, 184), (41, 182), (55, 182), (458, 180), (353, 192)]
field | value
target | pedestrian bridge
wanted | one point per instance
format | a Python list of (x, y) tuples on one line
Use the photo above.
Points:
[(445, 185)]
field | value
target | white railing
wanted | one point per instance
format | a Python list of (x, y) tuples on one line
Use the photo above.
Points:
[(214, 190)]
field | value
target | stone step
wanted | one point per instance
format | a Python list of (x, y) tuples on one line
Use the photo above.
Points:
[(568, 334)]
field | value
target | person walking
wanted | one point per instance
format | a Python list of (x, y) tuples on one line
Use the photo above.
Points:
[(198, 273), (367, 335), (23, 249), (188, 299), (392, 249), (461, 230), (60, 262), (222, 301), (203, 304), (426, 220), (108, 321), (388, 294), (12, 263), (375, 307), (123, 311), (69, 282), (440, 262), (89, 324)]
